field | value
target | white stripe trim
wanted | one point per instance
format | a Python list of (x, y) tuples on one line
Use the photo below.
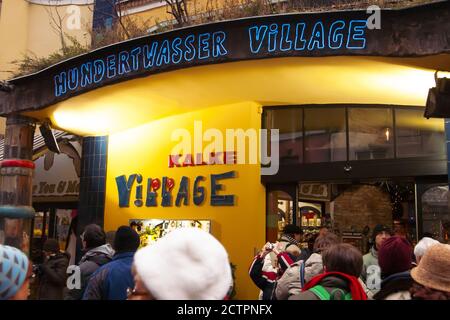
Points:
[(156, 4), (61, 2)]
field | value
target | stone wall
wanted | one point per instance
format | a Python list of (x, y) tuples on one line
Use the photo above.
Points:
[(360, 206)]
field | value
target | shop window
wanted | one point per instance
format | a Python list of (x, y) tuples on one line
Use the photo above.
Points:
[(435, 213), (325, 138), (280, 208), (289, 124), (417, 136), (370, 133)]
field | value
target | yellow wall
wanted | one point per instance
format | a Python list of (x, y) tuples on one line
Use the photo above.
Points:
[(13, 34), (42, 39), (270, 82), (145, 150), (26, 28), (159, 14)]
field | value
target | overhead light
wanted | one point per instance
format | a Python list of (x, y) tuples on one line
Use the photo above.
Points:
[(49, 138), (438, 100)]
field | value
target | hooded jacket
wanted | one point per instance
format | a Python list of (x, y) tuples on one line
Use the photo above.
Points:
[(331, 281), (369, 259), (290, 284), (53, 276), (89, 263), (395, 287)]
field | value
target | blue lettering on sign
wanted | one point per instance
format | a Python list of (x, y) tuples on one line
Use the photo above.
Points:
[(300, 42), (149, 55), (86, 74), (135, 58), (336, 36), (60, 84), (203, 46), (273, 33), (319, 36), (99, 70), (163, 54), (189, 55), (218, 44), (124, 65), (177, 54), (72, 81), (256, 38), (286, 43), (266, 39), (357, 36), (111, 66)]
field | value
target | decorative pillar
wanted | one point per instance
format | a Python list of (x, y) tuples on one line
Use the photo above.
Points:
[(91, 205), (16, 177)]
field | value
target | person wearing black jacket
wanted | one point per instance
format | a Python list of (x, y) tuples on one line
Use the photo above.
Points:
[(52, 273)]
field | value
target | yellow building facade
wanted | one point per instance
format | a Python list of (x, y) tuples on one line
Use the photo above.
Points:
[(145, 113)]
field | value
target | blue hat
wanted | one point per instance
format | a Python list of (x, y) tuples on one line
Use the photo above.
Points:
[(13, 271)]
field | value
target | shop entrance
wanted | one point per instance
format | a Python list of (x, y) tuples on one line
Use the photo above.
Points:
[(352, 209)]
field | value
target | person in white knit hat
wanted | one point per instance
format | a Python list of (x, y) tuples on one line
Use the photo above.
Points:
[(422, 246), (186, 264)]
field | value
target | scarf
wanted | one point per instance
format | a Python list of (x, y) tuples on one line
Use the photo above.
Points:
[(289, 239), (356, 289)]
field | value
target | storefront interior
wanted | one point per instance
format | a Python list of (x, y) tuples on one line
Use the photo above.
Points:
[(350, 167)]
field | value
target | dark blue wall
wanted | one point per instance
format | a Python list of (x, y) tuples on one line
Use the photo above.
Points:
[(103, 13), (91, 206)]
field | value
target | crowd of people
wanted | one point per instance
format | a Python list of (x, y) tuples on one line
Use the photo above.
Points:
[(186, 264), (392, 270), (189, 263)]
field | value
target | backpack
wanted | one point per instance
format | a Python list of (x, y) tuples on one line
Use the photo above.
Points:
[(323, 294)]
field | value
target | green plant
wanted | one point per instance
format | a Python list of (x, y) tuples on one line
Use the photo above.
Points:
[(30, 63)]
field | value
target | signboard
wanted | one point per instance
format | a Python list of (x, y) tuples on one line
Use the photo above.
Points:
[(152, 229), (55, 175), (335, 33)]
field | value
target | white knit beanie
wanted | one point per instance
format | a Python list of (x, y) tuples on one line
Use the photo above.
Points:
[(186, 264), (423, 245)]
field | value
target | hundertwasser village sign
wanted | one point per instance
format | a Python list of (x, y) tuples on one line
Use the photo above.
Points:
[(340, 33)]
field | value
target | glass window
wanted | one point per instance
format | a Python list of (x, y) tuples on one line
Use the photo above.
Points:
[(435, 215), (370, 133), (417, 136), (325, 135), (280, 207), (289, 122)]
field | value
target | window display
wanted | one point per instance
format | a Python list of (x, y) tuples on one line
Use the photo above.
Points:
[(152, 229)]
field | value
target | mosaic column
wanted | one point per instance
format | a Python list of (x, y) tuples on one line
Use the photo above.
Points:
[(91, 204), (16, 177)]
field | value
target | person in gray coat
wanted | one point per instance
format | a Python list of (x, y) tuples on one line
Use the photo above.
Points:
[(291, 283), (98, 253)]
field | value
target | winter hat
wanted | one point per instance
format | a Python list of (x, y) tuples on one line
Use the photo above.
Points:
[(292, 229), (433, 269), (51, 245), (379, 228), (185, 264), (94, 236), (126, 240), (395, 255), (423, 245), (13, 271)]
